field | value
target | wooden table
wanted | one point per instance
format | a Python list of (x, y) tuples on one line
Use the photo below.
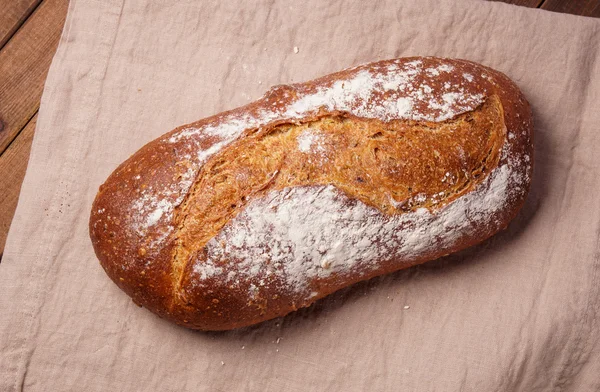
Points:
[(29, 34)]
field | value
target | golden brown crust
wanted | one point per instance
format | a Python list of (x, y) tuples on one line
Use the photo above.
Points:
[(149, 220)]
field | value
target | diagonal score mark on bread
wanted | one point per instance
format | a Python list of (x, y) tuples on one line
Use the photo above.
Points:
[(395, 166)]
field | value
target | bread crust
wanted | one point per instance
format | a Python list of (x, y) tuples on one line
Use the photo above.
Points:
[(137, 215)]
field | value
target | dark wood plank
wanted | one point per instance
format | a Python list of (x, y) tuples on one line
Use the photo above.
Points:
[(24, 63), (12, 167), (12, 16), (524, 3), (575, 7)]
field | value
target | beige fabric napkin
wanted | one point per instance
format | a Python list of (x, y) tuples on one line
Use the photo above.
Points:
[(518, 313)]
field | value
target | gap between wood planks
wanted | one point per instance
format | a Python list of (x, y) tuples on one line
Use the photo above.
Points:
[(24, 63), (29, 34), (13, 164), (15, 13)]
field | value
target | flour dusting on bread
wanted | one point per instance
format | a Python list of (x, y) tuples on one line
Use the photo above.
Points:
[(152, 211), (310, 141), (307, 233), (398, 90), (401, 91)]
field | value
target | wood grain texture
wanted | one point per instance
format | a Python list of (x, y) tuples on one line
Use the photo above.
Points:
[(575, 7), (12, 166), (24, 63), (12, 14)]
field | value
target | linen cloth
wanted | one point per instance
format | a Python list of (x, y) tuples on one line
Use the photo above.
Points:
[(517, 313)]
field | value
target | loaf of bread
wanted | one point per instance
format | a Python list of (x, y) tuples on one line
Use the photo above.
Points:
[(255, 212)]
